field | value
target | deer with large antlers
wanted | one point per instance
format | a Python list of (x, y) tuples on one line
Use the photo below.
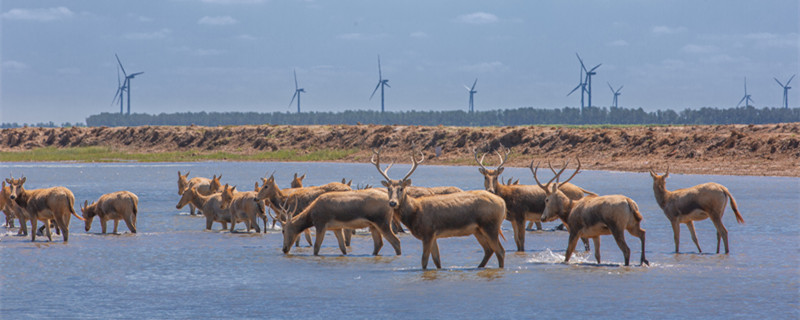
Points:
[(477, 213), (48, 204), (204, 185), (697, 203), (593, 216)]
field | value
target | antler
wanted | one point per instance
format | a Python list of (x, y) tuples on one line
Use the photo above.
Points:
[(503, 158), (565, 166), (480, 162), (414, 164), (285, 208), (376, 160), (551, 179)]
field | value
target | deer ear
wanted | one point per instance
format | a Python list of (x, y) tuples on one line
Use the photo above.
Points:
[(303, 176), (220, 177), (482, 171), (406, 183), (499, 171), (21, 181), (295, 175), (385, 184)]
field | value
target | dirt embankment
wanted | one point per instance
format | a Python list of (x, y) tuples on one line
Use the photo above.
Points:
[(729, 149)]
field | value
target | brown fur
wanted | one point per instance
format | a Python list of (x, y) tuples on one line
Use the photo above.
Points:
[(210, 205), (697, 203), (243, 207), (56, 203), (204, 185), (120, 205), (297, 182)]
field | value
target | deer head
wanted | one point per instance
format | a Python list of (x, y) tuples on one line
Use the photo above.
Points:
[(297, 182), (490, 181), (227, 196), (556, 204), (88, 211), (183, 180), (16, 187), (396, 188)]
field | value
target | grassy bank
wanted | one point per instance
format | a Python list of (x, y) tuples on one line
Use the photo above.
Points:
[(105, 154)]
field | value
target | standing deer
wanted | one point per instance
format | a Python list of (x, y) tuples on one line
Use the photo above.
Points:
[(243, 207), (56, 203), (297, 182), (210, 205), (9, 209), (593, 216), (477, 213), (120, 205), (697, 203), (204, 185)]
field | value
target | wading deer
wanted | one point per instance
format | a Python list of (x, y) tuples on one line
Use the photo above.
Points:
[(210, 205), (56, 203), (697, 203), (572, 191), (353, 209), (297, 182), (204, 185), (9, 208), (120, 205), (593, 216), (477, 213), (243, 207)]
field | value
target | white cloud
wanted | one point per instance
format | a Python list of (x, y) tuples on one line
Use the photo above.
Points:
[(478, 18), (484, 67), (12, 65), (772, 40), (160, 34), (695, 48), (217, 21), (668, 30), (49, 14), (618, 43), (419, 35)]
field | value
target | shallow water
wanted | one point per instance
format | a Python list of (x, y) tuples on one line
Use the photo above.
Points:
[(174, 269)]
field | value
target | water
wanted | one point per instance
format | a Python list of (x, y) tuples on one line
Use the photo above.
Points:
[(174, 269)]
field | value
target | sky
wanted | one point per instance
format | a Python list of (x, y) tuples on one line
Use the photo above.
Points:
[(238, 55)]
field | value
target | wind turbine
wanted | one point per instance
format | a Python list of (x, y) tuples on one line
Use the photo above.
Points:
[(746, 99), (472, 92), (588, 83), (381, 83), (616, 94), (581, 85), (297, 91), (119, 95), (127, 83), (785, 91)]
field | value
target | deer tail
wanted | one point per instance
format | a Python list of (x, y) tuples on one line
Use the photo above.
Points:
[(739, 218), (635, 208), (71, 207)]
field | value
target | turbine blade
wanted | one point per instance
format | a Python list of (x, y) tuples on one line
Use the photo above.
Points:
[(581, 60), (576, 88), (295, 80), (473, 84), (790, 80), (465, 87), (380, 76), (609, 86), (387, 84), (120, 65), (294, 96), (376, 89), (740, 101), (595, 67), (620, 88)]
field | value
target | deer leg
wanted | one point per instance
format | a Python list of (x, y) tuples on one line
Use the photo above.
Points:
[(690, 225), (265, 223), (573, 241), (348, 235), (637, 231), (308, 238), (23, 225), (339, 234), (254, 223), (676, 234), (721, 232), (585, 244), (487, 249), (116, 224), (596, 241), (538, 225), (224, 225), (61, 224), (529, 227), (426, 252), (34, 222), (130, 224), (519, 234), (435, 254), (191, 209), (47, 229), (103, 225), (209, 222), (377, 240), (619, 237), (385, 230), (320, 231)]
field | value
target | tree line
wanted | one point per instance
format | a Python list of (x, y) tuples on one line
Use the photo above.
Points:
[(508, 117)]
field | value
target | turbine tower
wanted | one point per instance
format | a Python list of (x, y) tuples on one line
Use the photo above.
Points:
[(297, 91), (746, 99), (120, 94), (581, 85), (126, 84), (785, 91), (472, 92), (616, 94), (588, 82), (381, 83)]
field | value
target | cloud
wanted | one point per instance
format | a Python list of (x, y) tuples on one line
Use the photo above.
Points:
[(618, 43), (695, 48), (217, 21), (484, 67), (668, 30), (477, 18), (49, 14), (765, 39), (12, 65), (198, 51), (419, 35), (246, 37), (160, 34)]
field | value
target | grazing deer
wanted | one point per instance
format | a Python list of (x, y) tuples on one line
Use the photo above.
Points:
[(56, 203), (297, 182), (338, 210), (243, 207), (477, 213), (697, 203), (120, 205), (210, 206), (204, 185), (593, 216)]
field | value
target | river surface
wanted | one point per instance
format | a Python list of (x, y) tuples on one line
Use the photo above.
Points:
[(173, 268)]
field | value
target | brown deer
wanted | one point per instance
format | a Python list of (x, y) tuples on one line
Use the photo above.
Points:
[(593, 216), (56, 203), (572, 191), (477, 213), (120, 205), (338, 210), (210, 206), (297, 182), (204, 185), (697, 203), (9, 207), (243, 207)]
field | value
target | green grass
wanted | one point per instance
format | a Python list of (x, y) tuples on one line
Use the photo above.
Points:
[(105, 154)]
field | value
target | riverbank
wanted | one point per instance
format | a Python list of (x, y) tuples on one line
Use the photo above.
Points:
[(768, 150)]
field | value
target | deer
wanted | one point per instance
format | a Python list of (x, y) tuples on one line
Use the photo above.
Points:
[(697, 203), (478, 213), (204, 185), (297, 182), (593, 216), (120, 205), (338, 210), (56, 203), (10, 209), (523, 202), (572, 191), (209, 205), (243, 207)]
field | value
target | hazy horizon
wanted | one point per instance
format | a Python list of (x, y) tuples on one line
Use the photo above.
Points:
[(238, 55)]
